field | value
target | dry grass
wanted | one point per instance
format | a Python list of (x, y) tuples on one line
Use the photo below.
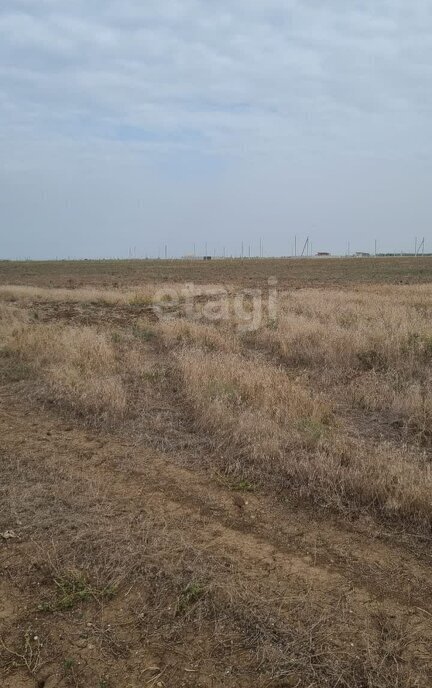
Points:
[(169, 578), (273, 418), (211, 337), (142, 295), (266, 428), (78, 365), (377, 344)]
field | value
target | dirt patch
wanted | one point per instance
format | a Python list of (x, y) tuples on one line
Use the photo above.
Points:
[(8, 601)]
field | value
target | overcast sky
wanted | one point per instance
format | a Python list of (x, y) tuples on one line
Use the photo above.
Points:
[(140, 123)]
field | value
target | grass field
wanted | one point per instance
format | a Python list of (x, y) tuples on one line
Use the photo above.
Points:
[(288, 272), (214, 486)]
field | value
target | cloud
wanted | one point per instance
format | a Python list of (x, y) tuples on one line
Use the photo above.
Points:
[(213, 89)]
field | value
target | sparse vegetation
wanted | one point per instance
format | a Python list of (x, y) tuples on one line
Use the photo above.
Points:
[(191, 500), (72, 589)]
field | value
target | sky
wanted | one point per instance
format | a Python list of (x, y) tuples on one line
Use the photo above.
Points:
[(131, 125)]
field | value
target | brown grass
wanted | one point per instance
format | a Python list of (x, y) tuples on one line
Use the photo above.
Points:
[(377, 344), (271, 430), (143, 295), (78, 365), (211, 337), (275, 419), (169, 579)]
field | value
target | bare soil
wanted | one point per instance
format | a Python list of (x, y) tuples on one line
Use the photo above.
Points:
[(289, 272)]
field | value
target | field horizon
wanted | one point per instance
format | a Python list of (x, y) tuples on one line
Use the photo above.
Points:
[(290, 272)]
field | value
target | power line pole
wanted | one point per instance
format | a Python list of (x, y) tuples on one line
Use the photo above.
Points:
[(305, 247)]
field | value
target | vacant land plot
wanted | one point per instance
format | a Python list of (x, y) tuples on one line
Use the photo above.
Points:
[(289, 272), (216, 487)]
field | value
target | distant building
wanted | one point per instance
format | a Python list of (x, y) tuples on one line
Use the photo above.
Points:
[(323, 253), (361, 254), (207, 257)]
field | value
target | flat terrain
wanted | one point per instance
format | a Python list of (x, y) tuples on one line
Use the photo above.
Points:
[(194, 501), (253, 272)]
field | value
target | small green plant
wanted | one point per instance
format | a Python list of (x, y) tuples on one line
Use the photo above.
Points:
[(68, 665), (190, 595), (243, 486), (72, 590), (235, 484)]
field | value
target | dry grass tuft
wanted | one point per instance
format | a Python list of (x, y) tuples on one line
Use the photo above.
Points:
[(78, 366), (210, 337), (256, 412)]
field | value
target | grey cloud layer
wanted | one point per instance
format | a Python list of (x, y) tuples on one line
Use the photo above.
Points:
[(267, 82)]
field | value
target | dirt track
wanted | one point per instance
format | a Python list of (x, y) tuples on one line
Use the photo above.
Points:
[(286, 597)]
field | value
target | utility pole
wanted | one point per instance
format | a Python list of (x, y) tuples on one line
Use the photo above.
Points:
[(295, 245), (305, 248)]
